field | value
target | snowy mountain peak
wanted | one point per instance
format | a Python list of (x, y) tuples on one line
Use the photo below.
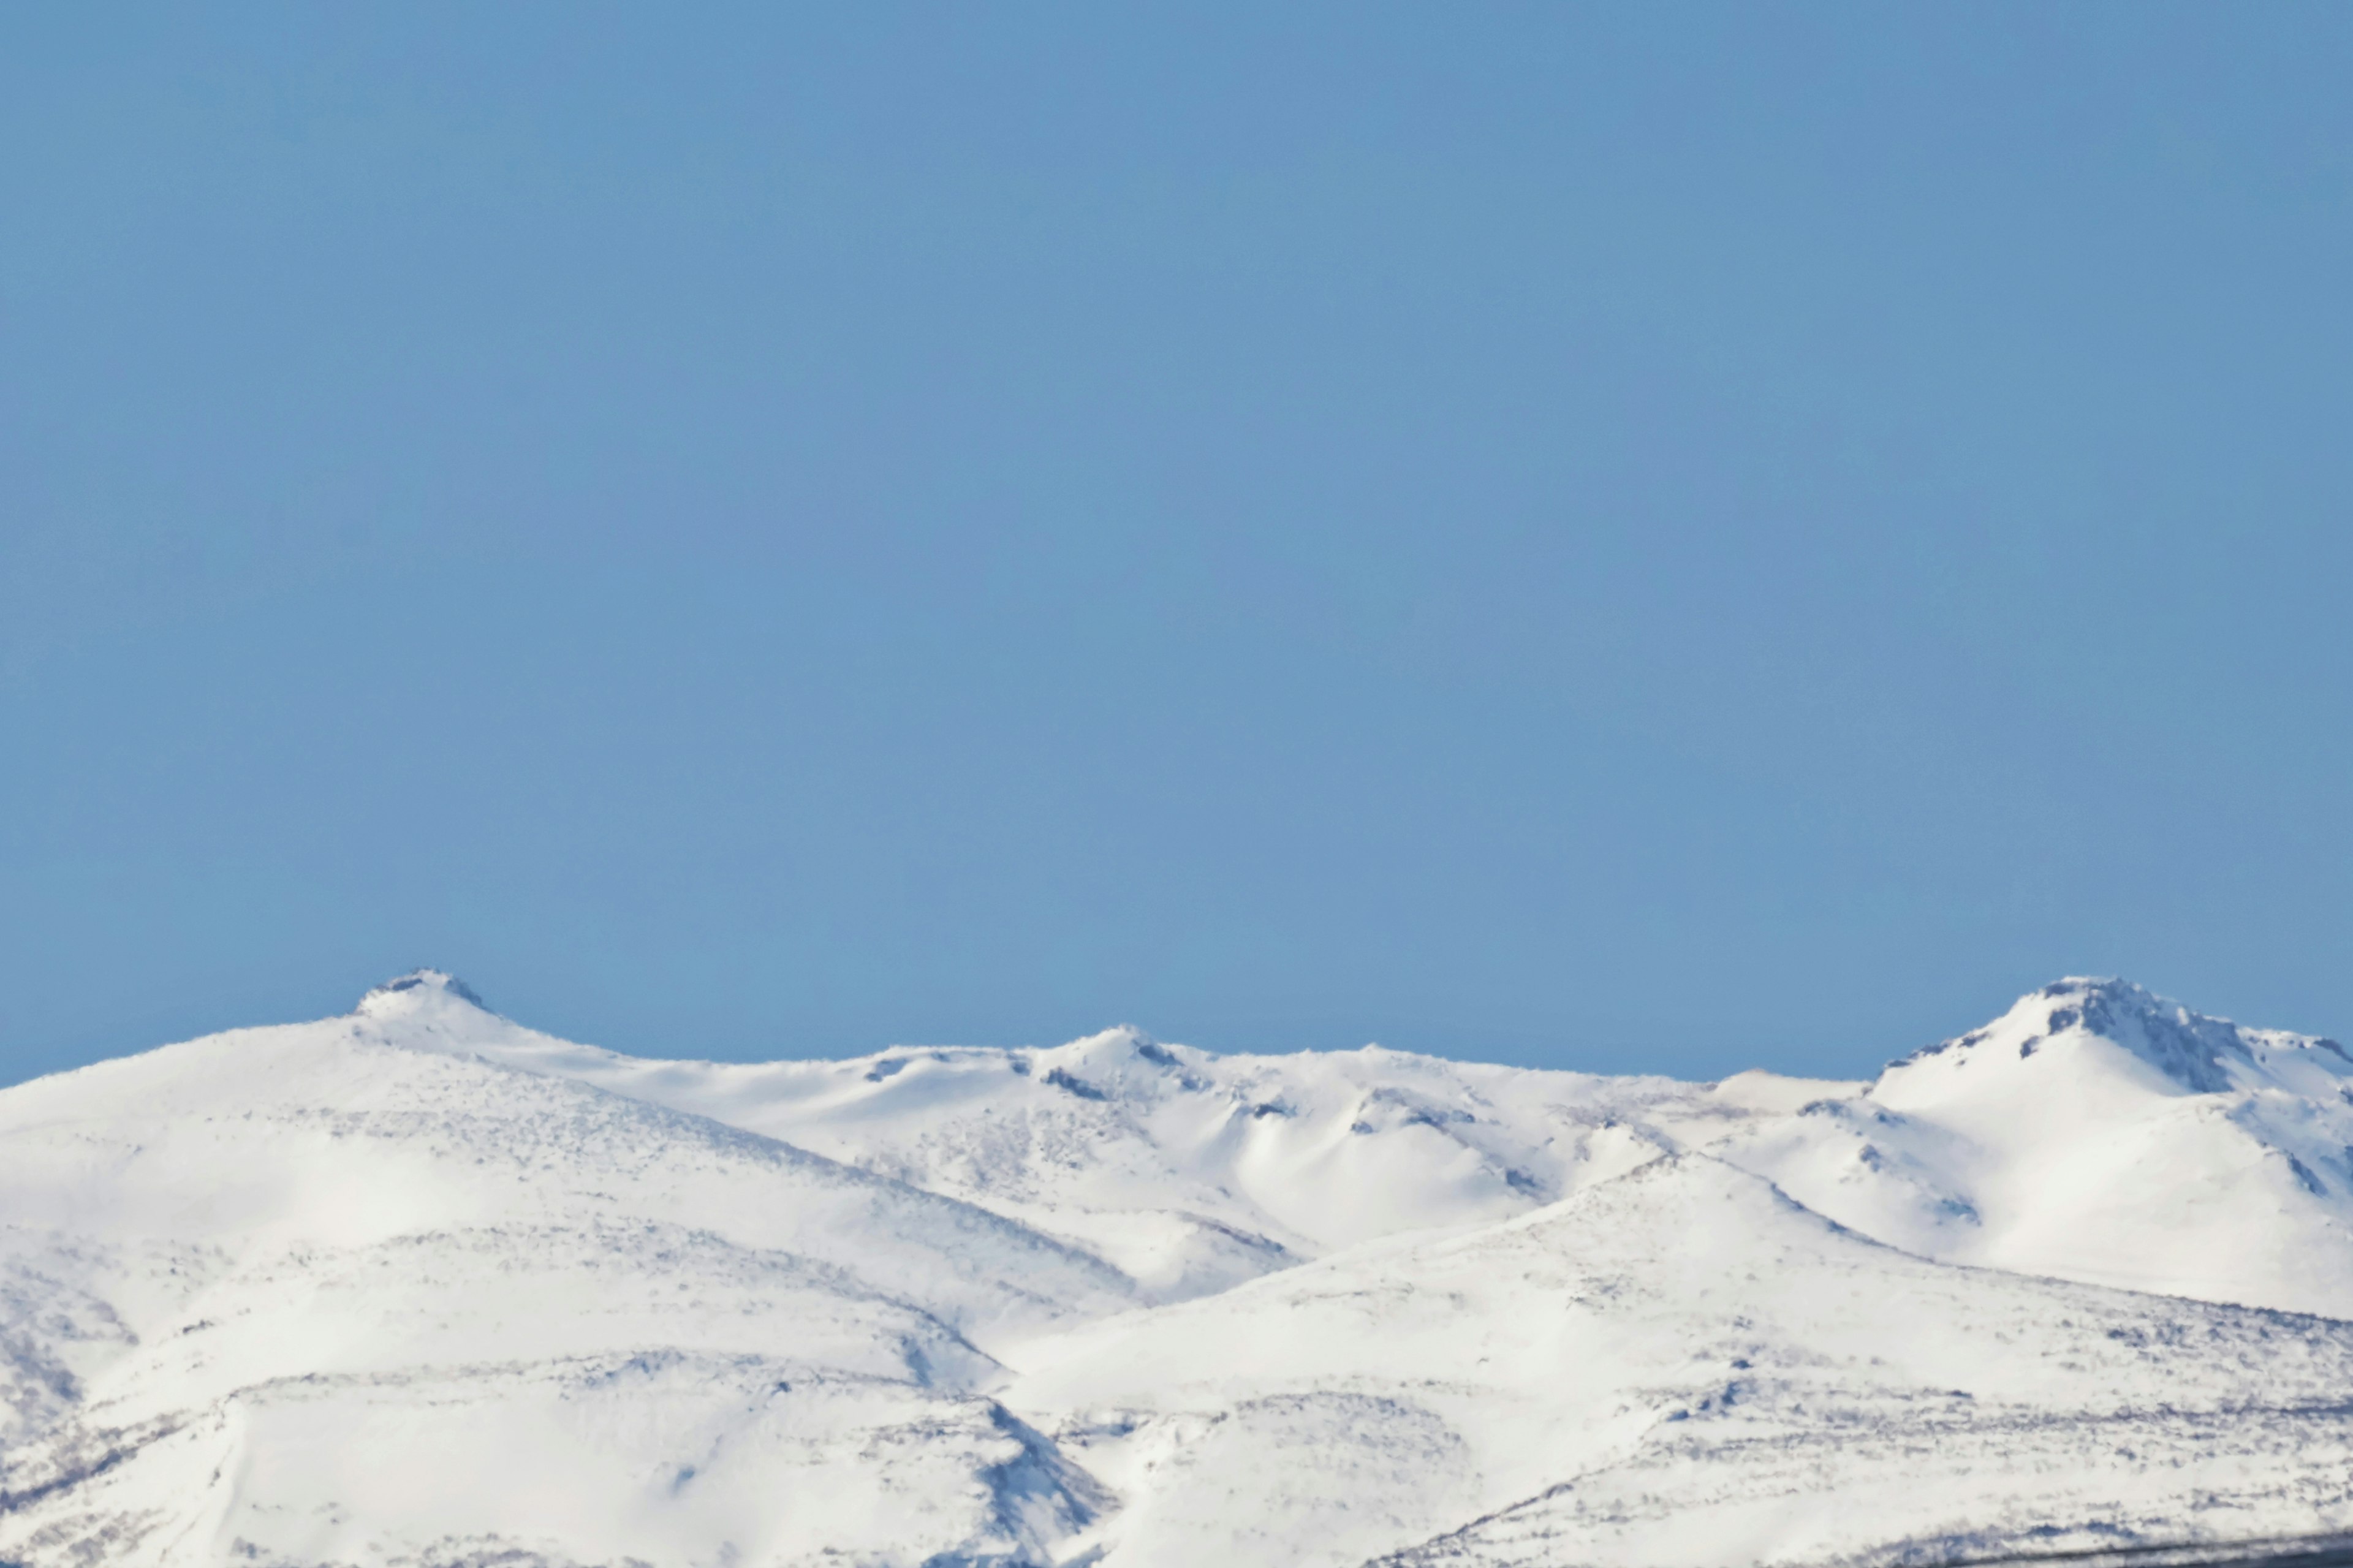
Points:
[(1123, 1061), (419, 990), (2189, 1049), (2131, 1031)]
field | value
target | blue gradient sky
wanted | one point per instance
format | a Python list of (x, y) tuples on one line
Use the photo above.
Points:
[(1662, 538)]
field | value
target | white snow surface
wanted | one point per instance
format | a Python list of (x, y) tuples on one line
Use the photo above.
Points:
[(421, 1285)]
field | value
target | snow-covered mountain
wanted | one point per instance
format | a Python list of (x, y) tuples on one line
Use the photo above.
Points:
[(2093, 1132), (1190, 1171), (2099, 1133), (422, 1286)]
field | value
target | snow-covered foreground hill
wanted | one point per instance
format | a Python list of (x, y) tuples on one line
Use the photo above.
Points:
[(421, 1285)]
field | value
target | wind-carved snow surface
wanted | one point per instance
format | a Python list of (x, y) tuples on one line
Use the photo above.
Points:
[(420, 1286)]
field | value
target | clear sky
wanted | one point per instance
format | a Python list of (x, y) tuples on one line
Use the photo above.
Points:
[(1657, 537)]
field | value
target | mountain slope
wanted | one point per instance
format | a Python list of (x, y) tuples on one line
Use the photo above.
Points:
[(1682, 1366), (1191, 1171), (337, 1291)]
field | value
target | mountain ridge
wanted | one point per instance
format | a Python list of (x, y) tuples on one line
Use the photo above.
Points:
[(419, 1284)]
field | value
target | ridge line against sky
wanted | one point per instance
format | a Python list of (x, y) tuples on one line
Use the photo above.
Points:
[(432, 980), (1636, 540)]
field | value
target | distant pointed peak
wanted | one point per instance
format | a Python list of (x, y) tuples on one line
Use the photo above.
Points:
[(1122, 1059), (1120, 1038), (417, 985), (2105, 992), (2191, 1048), (2109, 986), (2110, 1006)]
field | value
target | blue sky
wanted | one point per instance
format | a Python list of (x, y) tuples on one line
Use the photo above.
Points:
[(1651, 538)]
